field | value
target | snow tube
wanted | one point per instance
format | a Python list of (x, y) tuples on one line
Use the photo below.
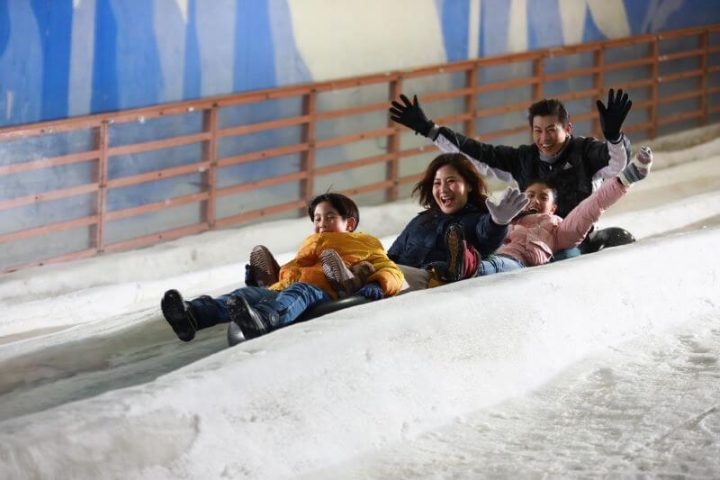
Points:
[(235, 335), (606, 238)]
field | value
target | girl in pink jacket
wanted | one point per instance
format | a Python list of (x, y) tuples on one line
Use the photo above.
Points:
[(537, 233)]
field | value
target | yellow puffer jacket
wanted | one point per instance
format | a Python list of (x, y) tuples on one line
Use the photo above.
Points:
[(353, 247)]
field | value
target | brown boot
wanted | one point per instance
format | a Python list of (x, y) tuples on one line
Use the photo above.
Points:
[(263, 267), (455, 243), (340, 277)]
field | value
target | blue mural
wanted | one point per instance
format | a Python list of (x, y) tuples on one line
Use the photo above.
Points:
[(148, 52)]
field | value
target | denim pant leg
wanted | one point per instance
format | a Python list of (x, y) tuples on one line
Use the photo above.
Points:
[(294, 300), (498, 264), (565, 254), (207, 307)]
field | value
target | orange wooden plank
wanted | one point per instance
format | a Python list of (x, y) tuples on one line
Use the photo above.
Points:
[(159, 144), (47, 229), (49, 162), (156, 206), (158, 174), (48, 196), (155, 238), (259, 213)]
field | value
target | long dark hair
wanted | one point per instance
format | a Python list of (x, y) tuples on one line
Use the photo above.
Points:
[(477, 186), (344, 205)]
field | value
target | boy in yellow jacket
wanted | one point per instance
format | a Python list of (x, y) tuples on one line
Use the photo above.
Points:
[(302, 283)]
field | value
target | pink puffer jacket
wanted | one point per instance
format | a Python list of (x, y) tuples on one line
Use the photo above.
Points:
[(534, 238)]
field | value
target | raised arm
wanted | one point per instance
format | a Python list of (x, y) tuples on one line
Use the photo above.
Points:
[(612, 116), (499, 161), (571, 231)]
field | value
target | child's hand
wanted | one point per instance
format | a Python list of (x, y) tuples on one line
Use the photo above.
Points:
[(511, 204), (371, 291), (638, 167)]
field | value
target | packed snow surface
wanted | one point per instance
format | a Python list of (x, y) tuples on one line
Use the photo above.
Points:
[(603, 366)]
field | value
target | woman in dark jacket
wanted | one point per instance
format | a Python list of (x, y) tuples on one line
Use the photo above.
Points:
[(453, 193)]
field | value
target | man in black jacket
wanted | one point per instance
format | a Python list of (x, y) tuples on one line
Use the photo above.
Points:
[(575, 166)]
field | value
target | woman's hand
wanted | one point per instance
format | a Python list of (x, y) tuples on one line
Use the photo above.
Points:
[(511, 204)]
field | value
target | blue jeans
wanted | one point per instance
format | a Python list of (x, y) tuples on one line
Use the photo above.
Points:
[(498, 264), (289, 303), (565, 254)]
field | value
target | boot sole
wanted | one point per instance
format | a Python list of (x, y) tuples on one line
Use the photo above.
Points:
[(173, 309), (239, 313), (264, 267), (337, 274)]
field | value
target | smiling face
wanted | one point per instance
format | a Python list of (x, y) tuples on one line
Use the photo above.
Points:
[(541, 199), (450, 190), (549, 134), (327, 219)]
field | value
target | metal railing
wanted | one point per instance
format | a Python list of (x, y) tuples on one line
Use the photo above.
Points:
[(698, 86)]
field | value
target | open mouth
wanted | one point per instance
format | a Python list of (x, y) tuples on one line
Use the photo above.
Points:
[(447, 201)]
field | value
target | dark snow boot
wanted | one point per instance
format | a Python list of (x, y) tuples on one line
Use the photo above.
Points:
[(176, 313), (345, 281), (253, 322)]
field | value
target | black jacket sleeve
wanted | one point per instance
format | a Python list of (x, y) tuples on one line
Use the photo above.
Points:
[(495, 157), (490, 235)]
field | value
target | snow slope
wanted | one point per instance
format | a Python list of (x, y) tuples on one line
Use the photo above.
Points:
[(94, 384)]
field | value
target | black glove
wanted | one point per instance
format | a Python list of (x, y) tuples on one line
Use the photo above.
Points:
[(250, 276), (612, 117), (371, 291), (411, 115)]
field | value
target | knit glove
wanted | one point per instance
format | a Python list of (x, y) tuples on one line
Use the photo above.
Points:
[(613, 116), (411, 115), (638, 167), (371, 291), (511, 204), (249, 277)]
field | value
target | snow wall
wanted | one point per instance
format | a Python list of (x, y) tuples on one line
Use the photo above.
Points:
[(370, 376)]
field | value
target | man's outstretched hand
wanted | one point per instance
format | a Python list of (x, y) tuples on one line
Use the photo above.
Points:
[(411, 115), (613, 116)]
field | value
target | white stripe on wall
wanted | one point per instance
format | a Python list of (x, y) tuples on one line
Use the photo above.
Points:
[(82, 50)]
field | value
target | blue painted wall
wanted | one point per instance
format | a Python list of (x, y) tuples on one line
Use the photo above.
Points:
[(73, 57)]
